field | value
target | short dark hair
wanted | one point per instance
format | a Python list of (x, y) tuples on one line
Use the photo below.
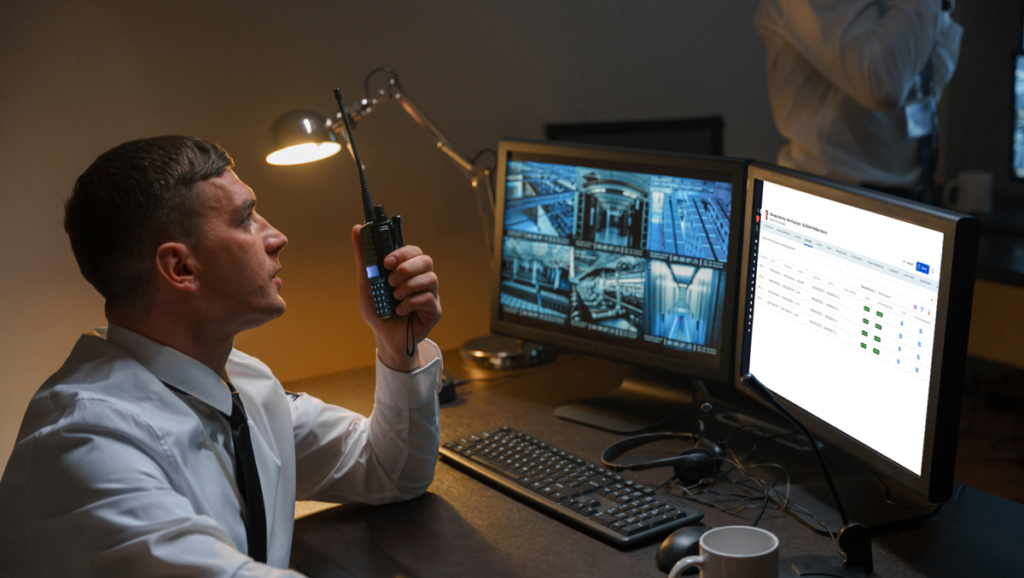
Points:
[(133, 198)]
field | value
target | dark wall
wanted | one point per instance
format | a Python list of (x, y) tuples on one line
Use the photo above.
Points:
[(979, 99)]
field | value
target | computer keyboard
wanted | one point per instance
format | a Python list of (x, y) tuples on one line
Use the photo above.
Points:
[(574, 490)]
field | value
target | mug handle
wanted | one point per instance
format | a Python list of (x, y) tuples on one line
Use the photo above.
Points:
[(947, 192), (685, 563)]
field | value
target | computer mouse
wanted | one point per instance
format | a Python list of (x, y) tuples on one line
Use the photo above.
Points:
[(447, 392), (679, 544)]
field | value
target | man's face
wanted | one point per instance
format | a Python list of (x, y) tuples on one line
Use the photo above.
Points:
[(237, 261)]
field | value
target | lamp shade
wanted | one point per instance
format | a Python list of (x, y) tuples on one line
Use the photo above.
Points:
[(301, 136)]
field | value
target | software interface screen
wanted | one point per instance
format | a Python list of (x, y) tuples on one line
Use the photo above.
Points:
[(626, 258), (841, 316), (1018, 118)]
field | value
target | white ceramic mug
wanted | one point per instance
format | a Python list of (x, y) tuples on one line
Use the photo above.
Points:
[(734, 552), (969, 192)]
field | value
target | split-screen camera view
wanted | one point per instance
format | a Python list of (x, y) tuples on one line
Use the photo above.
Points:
[(622, 254)]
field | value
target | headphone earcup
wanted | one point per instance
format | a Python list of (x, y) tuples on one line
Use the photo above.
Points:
[(694, 465), (715, 449)]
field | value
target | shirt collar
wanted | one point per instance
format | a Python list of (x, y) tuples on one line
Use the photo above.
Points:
[(172, 367)]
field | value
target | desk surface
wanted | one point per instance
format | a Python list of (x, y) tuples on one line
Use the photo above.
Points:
[(463, 527)]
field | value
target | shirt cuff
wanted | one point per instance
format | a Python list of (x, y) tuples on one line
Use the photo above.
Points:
[(416, 387)]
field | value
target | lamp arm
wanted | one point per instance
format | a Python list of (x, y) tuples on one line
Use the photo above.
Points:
[(478, 177)]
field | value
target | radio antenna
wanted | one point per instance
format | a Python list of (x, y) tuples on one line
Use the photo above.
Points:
[(367, 199)]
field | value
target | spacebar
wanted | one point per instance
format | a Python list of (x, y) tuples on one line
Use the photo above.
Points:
[(488, 462)]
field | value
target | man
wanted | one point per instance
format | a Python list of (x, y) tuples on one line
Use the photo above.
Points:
[(137, 458), (853, 86)]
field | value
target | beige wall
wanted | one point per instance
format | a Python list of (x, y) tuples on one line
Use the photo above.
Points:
[(77, 78)]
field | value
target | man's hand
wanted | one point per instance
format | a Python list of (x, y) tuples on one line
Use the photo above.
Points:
[(411, 273)]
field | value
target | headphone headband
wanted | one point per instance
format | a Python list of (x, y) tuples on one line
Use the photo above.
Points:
[(618, 448)]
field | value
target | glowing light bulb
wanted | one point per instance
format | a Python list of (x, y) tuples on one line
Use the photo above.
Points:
[(303, 153)]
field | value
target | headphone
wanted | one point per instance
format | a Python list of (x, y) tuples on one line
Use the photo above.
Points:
[(691, 466)]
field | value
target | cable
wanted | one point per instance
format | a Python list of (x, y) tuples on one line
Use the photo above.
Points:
[(410, 337), (737, 501), (763, 491), (767, 498), (481, 153)]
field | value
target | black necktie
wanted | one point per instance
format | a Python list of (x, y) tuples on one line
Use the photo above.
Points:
[(247, 477)]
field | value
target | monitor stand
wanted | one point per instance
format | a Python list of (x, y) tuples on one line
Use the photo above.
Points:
[(864, 499), (647, 399)]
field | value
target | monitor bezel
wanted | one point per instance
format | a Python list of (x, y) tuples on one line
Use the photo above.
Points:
[(959, 257), (612, 157)]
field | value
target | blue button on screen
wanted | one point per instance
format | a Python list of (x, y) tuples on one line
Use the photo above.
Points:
[(371, 272), (922, 267)]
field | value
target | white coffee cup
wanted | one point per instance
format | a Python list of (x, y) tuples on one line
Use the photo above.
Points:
[(969, 192), (734, 552)]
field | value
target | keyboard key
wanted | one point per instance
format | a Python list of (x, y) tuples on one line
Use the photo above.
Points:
[(632, 529), (585, 489), (659, 520)]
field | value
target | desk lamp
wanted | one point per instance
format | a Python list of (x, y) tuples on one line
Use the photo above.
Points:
[(302, 136)]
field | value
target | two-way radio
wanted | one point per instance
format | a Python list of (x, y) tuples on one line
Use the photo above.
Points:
[(378, 237)]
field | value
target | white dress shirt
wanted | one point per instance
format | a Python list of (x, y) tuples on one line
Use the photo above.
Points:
[(124, 462), (839, 76)]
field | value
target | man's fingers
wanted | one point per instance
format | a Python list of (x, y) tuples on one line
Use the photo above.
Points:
[(425, 301), (361, 280), (406, 270), (425, 282), (357, 247), (400, 255)]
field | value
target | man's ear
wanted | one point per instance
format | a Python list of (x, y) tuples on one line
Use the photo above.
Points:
[(176, 267)]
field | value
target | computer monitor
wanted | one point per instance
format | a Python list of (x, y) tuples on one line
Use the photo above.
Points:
[(1018, 116), (625, 254), (856, 311)]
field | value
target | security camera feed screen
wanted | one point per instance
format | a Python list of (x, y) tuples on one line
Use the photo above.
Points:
[(1018, 118), (630, 259)]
